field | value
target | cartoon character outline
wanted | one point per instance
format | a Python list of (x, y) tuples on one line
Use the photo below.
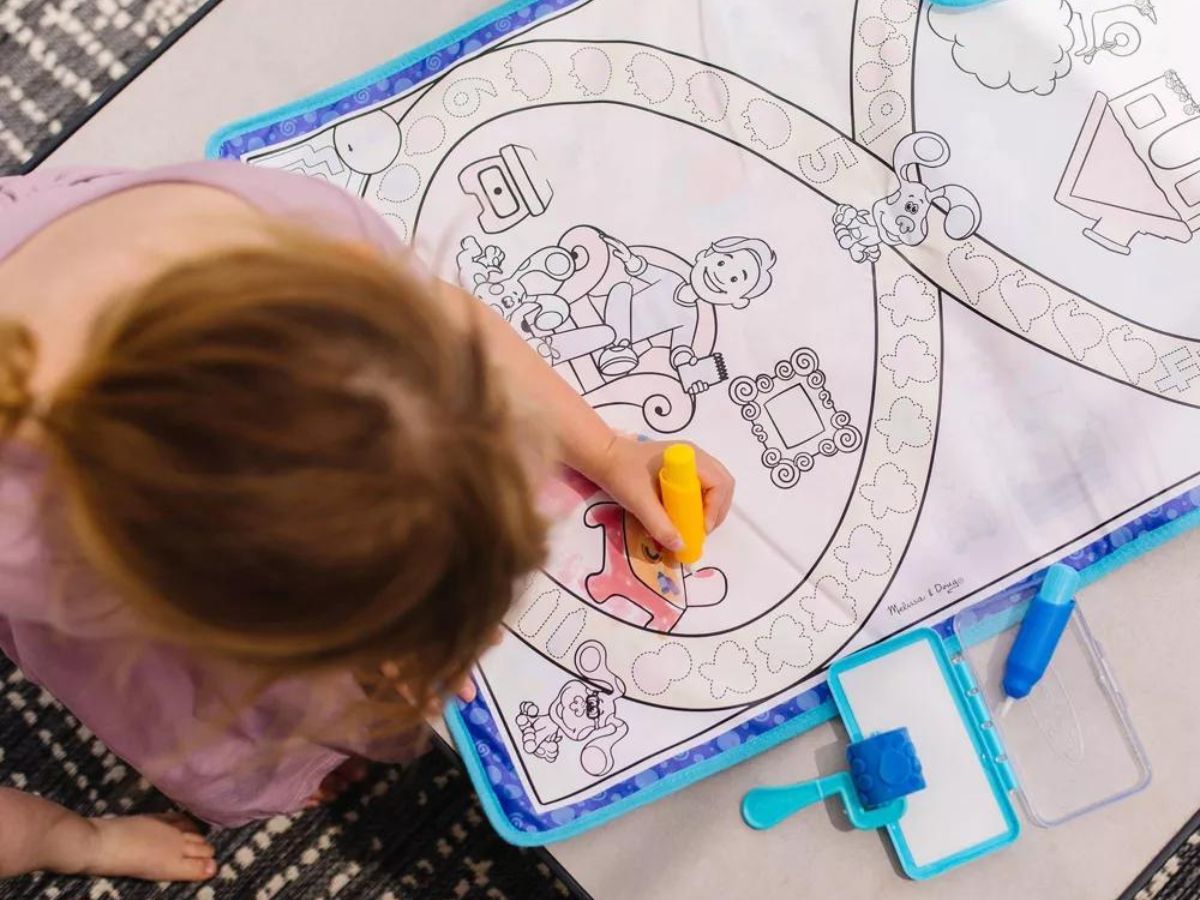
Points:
[(481, 271), (902, 217), (558, 299), (1118, 36), (508, 188), (654, 300), (584, 712), (641, 583)]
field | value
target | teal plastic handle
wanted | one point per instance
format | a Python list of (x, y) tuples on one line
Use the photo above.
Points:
[(766, 807)]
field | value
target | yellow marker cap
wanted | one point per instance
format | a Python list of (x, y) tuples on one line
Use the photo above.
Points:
[(683, 499)]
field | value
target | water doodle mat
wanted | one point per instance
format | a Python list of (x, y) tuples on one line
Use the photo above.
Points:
[(924, 279)]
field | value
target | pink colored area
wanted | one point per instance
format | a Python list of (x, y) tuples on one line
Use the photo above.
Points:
[(1116, 176), (563, 493), (616, 588)]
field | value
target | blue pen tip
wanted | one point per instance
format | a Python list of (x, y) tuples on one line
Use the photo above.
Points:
[(1040, 631)]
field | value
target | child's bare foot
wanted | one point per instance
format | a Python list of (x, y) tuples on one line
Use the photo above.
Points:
[(339, 780), (163, 847)]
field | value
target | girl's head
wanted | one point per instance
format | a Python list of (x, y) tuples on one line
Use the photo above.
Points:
[(293, 455)]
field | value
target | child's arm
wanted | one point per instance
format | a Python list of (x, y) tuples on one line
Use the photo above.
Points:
[(625, 468)]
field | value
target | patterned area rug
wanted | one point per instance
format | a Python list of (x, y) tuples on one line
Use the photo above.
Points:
[(413, 833), (403, 834), (1175, 873), (59, 56)]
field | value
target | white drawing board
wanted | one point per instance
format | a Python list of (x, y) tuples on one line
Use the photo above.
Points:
[(958, 811), (925, 282)]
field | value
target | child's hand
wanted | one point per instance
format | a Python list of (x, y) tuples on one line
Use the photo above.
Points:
[(465, 690), (630, 476)]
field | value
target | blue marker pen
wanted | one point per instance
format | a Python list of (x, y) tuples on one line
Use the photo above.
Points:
[(1040, 631)]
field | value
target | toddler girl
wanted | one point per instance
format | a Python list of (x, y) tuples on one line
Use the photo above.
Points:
[(253, 458)]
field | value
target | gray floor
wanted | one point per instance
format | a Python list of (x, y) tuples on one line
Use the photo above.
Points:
[(58, 56)]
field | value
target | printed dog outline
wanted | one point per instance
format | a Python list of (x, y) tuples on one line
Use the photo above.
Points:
[(902, 217), (584, 711), (641, 583)]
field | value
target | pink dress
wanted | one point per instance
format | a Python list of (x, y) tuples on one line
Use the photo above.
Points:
[(173, 717)]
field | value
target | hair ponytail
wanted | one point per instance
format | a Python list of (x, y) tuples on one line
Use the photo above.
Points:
[(18, 356)]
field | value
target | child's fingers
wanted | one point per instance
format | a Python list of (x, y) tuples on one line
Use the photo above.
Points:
[(389, 670), (713, 515), (718, 489), (656, 521), (721, 507), (466, 691)]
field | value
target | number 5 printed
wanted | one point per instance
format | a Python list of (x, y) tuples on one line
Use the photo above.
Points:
[(827, 160)]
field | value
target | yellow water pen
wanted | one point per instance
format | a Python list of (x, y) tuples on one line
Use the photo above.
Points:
[(683, 499)]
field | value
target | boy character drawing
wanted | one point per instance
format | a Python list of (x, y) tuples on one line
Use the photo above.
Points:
[(731, 272)]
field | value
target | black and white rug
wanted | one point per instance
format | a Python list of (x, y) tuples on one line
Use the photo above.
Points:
[(59, 56), (402, 834), (1175, 872)]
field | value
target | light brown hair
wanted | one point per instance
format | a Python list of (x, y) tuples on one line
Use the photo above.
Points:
[(290, 456)]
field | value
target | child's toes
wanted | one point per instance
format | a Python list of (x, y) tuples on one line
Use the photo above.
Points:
[(176, 819), (152, 847), (196, 847), (194, 869)]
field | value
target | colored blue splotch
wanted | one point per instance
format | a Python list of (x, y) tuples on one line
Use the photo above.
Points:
[(645, 779), (728, 740), (562, 816)]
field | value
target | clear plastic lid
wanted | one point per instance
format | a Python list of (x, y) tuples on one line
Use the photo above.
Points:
[(1071, 744)]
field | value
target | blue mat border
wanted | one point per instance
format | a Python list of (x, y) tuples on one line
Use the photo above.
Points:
[(472, 726), (509, 810), (385, 82)]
